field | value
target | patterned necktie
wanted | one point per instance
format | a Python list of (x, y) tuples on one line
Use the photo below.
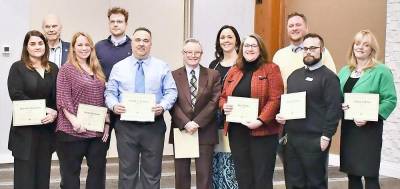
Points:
[(139, 78), (193, 88)]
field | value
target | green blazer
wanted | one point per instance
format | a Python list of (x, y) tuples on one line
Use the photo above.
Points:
[(377, 80)]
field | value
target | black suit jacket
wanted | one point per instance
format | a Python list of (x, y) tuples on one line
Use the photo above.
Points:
[(204, 112), (65, 50), (26, 84)]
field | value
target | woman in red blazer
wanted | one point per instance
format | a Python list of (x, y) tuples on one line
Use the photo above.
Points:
[(254, 143)]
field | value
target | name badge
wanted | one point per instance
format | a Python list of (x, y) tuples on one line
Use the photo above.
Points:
[(309, 79)]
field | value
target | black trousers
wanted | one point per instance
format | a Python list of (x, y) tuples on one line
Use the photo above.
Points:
[(34, 172), (254, 157), (306, 163), (71, 155), (356, 183), (140, 147)]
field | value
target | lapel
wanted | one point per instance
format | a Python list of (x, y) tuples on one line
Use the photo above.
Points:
[(203, 79), (64, 53), (183, 81), (367, 74)]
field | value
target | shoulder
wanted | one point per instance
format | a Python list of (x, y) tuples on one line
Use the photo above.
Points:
[(18, 65), (122, 62), (65, 44), (382, 68), (327, 72), (178, 71), (281, 52), (213, 64), (53, 66), (101, 43)]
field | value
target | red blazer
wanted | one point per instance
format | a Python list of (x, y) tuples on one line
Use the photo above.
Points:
[(267, 86)]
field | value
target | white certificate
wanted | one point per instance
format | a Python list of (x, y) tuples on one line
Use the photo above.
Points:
[(28, 112), (92, 118), (293, 106), (186, 145), (138, 107), (243, 109), (362, 106)]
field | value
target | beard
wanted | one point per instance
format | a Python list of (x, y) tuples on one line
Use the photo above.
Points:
[(311, 60)]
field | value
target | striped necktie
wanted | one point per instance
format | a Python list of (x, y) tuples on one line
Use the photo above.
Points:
[(193, 88), (139, 78)]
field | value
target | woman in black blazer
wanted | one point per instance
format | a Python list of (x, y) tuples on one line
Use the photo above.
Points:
[(33, 77)]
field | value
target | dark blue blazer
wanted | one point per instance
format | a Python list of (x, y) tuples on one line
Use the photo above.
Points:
[(65, 49)]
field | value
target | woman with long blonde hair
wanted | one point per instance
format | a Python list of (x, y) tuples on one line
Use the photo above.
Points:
[(80, 81), (361, 141)]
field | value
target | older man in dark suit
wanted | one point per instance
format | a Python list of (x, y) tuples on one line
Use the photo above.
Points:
[(195, 109)]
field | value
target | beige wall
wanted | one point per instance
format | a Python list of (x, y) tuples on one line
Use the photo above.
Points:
[(338, 20), (164, 18)]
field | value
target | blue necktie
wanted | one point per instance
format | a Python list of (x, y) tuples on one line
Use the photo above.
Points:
[(139, 78)]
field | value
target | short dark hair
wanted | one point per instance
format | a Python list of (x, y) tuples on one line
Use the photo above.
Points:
[(293, 14), (118, 10), (142, 29), (219, 54), (314, 35)]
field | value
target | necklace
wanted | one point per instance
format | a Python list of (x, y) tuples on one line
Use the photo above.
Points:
[(356, 73)]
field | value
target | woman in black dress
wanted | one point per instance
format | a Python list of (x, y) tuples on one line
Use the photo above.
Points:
[(361, 141), (226, 48), (33, 77)]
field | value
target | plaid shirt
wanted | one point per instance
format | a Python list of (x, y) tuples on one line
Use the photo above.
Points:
[(74, 87), (267, 86)]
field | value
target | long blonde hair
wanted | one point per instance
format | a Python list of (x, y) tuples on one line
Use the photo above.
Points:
[(372, 42), (93, 62)]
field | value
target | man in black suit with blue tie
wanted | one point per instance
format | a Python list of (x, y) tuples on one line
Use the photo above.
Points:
[(58, 49)]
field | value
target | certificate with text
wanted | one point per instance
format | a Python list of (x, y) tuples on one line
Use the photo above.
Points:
[(243, 109), (362, 106), (138, 107), (28, 112), (293, 105), (186, 145), (92, 118)]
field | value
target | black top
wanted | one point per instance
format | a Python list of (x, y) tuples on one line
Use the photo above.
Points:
[(26, 84), (216, 65), (323, 101), (348, 87), (243, 88)]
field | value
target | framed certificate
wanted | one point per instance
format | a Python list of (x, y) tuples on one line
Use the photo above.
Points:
[(362, 106), (244, 109), (186, 145), (92, 118), (293, 105), (138, 107), (28, 112)]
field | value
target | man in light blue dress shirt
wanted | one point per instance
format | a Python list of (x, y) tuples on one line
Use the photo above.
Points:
[(140, 142)]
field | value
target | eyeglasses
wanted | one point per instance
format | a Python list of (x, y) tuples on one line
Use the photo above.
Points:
[(311, 49), (250, 45), (193, 53)]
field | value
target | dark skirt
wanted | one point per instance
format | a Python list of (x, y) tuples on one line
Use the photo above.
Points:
[(360, 148)]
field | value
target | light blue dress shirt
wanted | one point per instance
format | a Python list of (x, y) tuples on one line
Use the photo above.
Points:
[(158, 81)]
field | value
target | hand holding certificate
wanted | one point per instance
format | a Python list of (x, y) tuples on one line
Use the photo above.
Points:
[(186, 145), (243, 109), (92, 118), (362, 106), (138, 107), (293, 106), (28, 112)]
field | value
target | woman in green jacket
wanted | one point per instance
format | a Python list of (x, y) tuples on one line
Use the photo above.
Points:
[(361, 141)]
